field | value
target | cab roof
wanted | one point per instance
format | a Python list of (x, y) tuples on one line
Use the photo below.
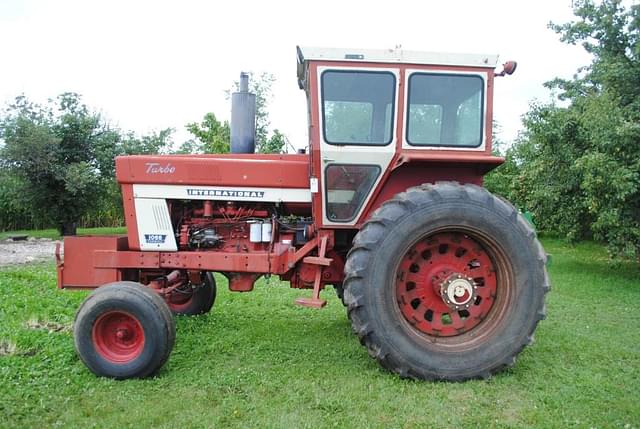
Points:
[(398, 56)]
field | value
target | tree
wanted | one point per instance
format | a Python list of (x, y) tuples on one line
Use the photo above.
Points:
[(51, 149), (212, 136), (606, 99), (612, 35), (580, 164), (501, 180), (275, 144), (14, 210), (58, 163), (154, 143)]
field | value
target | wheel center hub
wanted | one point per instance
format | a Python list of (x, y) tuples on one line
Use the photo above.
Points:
[(458, 291), (123, 334)]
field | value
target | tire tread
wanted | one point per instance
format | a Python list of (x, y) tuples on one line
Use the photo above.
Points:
[(366, 241)]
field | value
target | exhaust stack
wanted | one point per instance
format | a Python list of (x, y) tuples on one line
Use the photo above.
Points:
[(243, 118)]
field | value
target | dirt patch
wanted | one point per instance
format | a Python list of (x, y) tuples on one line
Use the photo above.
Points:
[(9, 349), (23, 252), (48, 326)]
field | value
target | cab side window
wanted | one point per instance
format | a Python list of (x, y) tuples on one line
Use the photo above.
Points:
[(357, 107)]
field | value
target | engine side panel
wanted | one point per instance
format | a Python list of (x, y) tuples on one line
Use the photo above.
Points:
[(154, 225)]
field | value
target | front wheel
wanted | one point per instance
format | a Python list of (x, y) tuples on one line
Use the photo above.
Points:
[(124, 330), (445, 282)]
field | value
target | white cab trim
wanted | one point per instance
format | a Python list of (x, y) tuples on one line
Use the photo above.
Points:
[(353, 153), (399, 56)]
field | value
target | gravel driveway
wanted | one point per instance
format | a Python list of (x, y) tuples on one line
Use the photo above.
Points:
[(22, 252)]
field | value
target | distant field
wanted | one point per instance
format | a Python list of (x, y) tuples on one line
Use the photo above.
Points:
[(259, 361)]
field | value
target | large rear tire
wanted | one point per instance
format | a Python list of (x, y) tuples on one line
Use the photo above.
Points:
[(124, 330), (340, 292), (445, 282)]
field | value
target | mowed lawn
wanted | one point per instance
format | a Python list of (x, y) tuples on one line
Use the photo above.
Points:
[(260, 361)]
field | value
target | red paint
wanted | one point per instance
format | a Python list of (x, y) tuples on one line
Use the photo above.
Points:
[(318, 264), (242, 282), (118, 337), (261, 170), (208, 209), (91, 262), (414, 174), (80, 269), (425, 267), (178, 302), (167, 283)]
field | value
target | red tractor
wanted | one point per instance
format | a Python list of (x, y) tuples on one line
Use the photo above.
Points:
[(441, 279)]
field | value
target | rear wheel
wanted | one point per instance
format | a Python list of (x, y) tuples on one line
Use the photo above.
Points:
[(191, 301), (445, 282), (340, 292), (124, 330)]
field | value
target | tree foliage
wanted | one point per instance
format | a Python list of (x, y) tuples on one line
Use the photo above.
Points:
[(58, 162), (578, 167), (14, 212), (211, 136), (51, 149)]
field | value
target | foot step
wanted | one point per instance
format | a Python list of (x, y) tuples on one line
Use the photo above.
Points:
[(311, 302)]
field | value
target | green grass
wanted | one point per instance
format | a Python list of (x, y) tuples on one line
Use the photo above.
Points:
[(259, 361), (54, 234)]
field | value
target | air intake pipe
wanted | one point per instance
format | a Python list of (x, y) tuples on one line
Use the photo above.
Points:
[(243, 118)]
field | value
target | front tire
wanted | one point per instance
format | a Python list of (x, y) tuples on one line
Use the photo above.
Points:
[(124, 330), (445, 282)]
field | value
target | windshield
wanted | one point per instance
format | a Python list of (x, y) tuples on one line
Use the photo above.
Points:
[(445, 110)]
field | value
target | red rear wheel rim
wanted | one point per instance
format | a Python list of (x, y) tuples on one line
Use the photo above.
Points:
[(429, 267), (118, 336)]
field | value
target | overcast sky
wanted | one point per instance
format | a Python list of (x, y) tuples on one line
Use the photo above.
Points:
[(148, 65)]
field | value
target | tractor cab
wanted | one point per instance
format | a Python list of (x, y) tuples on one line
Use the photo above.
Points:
[(380, 114)]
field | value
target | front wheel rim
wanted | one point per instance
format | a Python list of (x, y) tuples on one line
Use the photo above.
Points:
[(118, 337)]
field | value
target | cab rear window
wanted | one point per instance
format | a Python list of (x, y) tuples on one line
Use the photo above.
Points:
[(445, 110)]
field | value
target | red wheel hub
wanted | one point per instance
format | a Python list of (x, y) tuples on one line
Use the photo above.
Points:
[(446, 284), (118, 336)]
